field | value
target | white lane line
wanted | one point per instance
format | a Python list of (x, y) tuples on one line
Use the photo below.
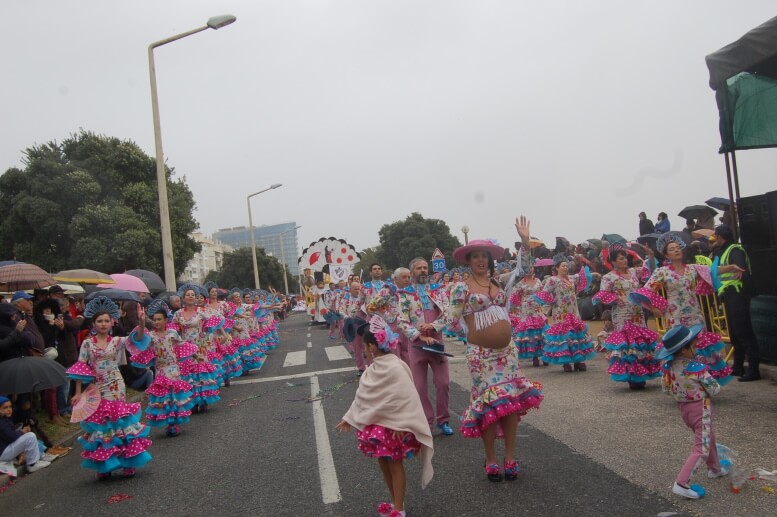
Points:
[(308, 334), (330, 488), (295, 358), (295, 376), (337, 353), (310, 345)]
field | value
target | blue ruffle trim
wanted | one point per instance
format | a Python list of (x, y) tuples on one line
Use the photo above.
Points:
[(141, 345), (85, 379)]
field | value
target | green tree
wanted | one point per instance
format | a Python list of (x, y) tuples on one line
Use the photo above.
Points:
[(401, 241), (91, 201), (237, 270)]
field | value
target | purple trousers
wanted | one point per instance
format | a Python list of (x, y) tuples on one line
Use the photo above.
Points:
[(420, 362), (692, 413), (362, 359)]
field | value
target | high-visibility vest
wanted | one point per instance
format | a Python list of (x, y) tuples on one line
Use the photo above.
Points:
[(728, 279)]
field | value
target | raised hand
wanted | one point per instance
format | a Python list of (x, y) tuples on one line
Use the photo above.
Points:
[(522, 225)]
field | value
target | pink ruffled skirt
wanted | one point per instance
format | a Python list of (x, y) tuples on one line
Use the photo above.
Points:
[(376, 441)]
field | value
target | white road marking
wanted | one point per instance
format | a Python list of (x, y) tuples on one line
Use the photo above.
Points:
[(330, 488), (310, 345), (295, 376), (337, 353), (295, 358), (308, 335)]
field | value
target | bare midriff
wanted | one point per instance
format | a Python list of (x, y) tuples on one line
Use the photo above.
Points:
[(496, 336)]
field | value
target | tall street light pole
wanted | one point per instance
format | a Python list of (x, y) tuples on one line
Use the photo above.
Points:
[(215, 23), (251, 229), (283, 258), (465, 231)]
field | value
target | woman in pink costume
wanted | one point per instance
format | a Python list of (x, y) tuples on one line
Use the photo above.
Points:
[(527, 318), (500, 393), (197, 371), (114, 437), (632, 344)]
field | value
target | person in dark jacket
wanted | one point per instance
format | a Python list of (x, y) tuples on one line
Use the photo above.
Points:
[(15, 442), (645, 224), (14, 342)]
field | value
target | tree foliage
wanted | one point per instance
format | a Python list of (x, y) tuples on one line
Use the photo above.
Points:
[(401, 241), (91, 202), (237, 270), (368, 256)]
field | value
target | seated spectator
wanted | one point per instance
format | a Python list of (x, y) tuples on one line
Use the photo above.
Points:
[(15, 444), (645, 224)]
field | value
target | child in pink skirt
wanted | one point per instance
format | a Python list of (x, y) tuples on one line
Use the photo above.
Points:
[(690, 383), (388, 416)]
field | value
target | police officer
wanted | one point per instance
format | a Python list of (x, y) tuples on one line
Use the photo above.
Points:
[(736, 290)]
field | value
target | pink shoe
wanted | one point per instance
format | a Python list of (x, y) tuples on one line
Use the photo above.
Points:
[(385, 508)]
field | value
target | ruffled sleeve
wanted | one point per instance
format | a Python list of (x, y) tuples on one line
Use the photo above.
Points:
[(455, 316), (143, 359), (645, 296), (703, 279), (545, 295), (606, 294), (135, 344), (185, 350), (81, 371), (582, 280)]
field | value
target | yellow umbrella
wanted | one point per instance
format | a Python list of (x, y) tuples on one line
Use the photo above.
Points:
[(83, 276), (534, 242)]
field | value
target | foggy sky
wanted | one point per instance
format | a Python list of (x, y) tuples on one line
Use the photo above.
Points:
[(577, 114)]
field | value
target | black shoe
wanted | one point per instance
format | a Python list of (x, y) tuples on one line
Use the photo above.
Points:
[(750, 376), (737, 370), (637, 385)]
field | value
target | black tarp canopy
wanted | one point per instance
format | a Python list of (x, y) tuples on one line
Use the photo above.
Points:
[(744, 77)]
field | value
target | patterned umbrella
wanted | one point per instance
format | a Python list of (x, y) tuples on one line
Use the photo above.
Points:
[(83, 276), (20, 277)]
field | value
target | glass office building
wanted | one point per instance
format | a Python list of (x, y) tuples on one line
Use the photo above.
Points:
[(267, 237)]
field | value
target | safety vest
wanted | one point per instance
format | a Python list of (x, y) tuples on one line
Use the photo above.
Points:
[(728, 279)]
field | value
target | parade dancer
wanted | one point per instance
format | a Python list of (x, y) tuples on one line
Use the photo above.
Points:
[(251, 354), (350, 308), (197, 370), (402, 281), (682, 284), (632, 344), (527, 319), (567, 341), (689, 382), (387, 415), (422, 316), (169, 398), (221, 342), (114, 437), (500, 393)]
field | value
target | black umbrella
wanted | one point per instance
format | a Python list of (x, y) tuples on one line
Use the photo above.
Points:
[(719, 203), (151, 279), (649, 239), (114, 294), (28, 374), (697, 212)]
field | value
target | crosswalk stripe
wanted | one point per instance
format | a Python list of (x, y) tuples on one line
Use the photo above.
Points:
[(337, 353), (295, 358)]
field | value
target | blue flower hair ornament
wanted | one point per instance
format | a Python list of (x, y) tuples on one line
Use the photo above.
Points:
[(667, 238), (210, 285), (99, 305), (387, 339), (158, 306), (186, 287)]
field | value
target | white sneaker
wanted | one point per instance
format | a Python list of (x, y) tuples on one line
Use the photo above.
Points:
[(719, 474), (48, 457), (685, 492), (40, 464)]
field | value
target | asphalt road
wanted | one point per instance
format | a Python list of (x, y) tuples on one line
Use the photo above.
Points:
[(267, 449)]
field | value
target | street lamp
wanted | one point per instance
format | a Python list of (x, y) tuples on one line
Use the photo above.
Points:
[(215, 23), (283, 258), (465, 231), (251, 229)]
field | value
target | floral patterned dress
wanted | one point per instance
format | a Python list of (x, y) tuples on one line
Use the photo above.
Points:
[(220, 348), (114, 437), (169, 397), (197, 370), (499, 387), (527, 319), (681, 307), (567, 340), (632, 344)]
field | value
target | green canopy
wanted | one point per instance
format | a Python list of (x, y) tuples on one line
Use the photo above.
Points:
[(744, 77)]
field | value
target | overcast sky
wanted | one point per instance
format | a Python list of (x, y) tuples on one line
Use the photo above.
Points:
[(577, 114)]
